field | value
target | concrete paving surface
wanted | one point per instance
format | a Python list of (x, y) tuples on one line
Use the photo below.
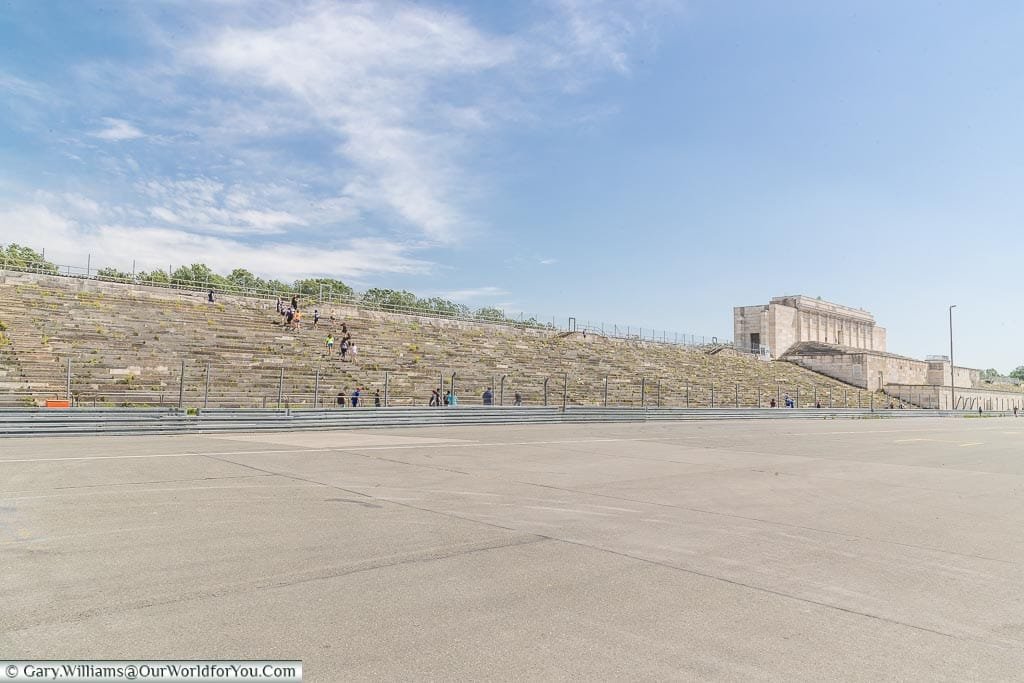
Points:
[(770, 550)]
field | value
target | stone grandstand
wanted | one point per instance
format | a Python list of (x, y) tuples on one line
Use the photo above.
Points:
[(126, 344)]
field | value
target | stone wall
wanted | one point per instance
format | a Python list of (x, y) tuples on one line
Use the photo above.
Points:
[(929, 396), (874, 371), (789, 320)]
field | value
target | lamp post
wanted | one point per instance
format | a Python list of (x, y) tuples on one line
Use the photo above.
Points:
[(952, 368)]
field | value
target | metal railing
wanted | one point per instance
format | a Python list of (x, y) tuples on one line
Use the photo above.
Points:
[(89, 272), (38, 422), (331, 384)]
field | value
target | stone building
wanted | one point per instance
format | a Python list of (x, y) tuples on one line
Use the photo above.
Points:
[(773, 328)]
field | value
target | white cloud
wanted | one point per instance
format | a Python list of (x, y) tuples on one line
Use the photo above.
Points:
[(368, 74), (473, 294), (206, 205), (68, 242), (118, 129), (18, 87), (308, 123)]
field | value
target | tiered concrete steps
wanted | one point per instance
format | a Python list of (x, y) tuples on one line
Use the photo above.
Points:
[(126, 344)]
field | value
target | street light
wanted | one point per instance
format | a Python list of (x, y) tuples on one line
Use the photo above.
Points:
[(952, 368)]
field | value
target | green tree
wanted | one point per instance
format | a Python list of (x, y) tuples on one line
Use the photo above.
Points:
[(389, 299), (1018, 373), (244, 279), (991, 373), (113, 274), (442, 307), (18, 256), (198, 275), (490, 313), (277, 286), (155, 276), (312, 287)]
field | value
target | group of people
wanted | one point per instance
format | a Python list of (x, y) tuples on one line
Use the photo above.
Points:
[(450, 399), (355, 398), (347, 347), (787, 401), (291, 314)]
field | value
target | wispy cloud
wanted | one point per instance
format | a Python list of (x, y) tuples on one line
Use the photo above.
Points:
[(119, 244), (258, 128), (369, 75), (118, 129), (474, 294)]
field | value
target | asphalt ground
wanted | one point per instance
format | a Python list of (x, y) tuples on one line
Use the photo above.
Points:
[(767, 550)]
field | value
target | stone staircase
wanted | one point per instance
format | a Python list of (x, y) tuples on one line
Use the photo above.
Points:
[(127, 342)]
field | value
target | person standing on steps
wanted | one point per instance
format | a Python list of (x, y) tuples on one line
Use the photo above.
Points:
[(295, 302), (518, 400), (341, 398), (330, 344), (210, 296), (376, 398), (316, 317), (435, 398), (488, 397), (355, 398)]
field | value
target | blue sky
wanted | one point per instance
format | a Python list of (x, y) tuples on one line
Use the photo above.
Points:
[(650, 163)]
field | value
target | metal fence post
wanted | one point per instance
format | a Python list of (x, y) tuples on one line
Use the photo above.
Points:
[(759, 397), (181, 386), (546, 380), (501, 392), (815, 395), (737, 395), (643, 387), (387, 383), (565, 390), (606, 391), (778, 394), (316, 387), (453, 385), (798, 396), (206, 391), (687, 395), (68, 390), (280, 389), (830, 403), (712, 394), (659, 393)]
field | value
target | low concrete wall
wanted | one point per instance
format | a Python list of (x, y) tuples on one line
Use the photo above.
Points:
[(928, 396), (875, 371)]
